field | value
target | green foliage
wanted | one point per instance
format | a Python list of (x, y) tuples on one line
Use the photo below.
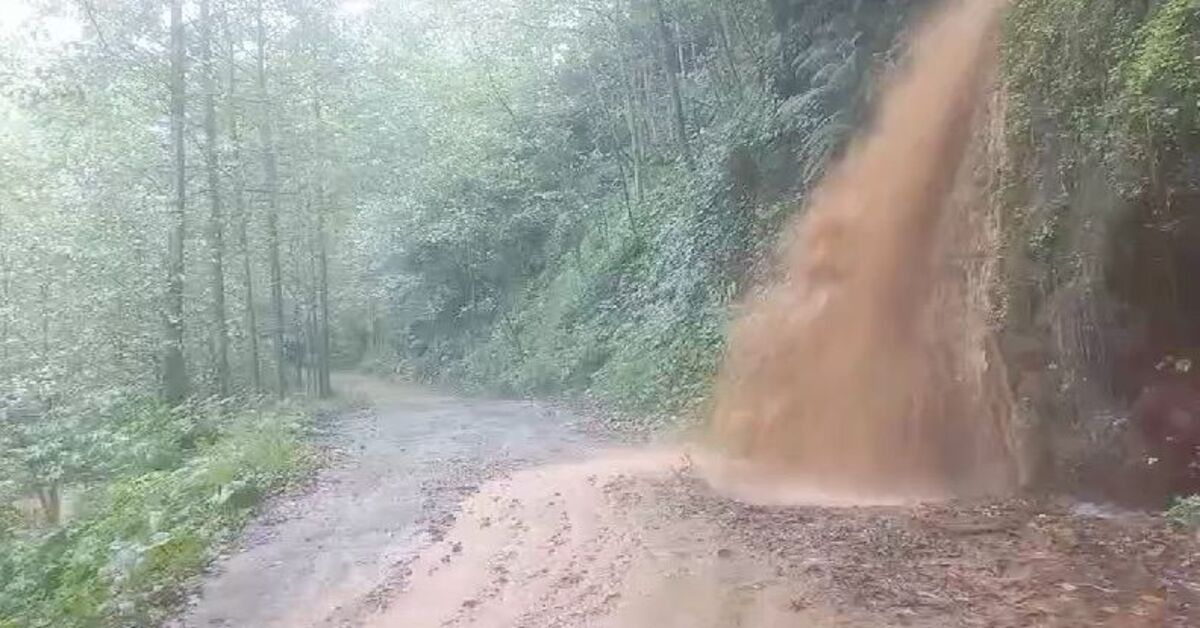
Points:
[(1185, 512), (125, 557), (1098, 89), (1162, 76), (86, 441), (559, 240), (144, 490), (1100, 95), (1100, 135)]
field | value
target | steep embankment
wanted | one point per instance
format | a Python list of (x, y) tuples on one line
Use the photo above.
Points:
[(1097, 199)]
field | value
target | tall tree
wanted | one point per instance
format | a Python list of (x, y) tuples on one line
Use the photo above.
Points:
[(636, 142), (324, 386), (271, 182), (175, 379), (241, 209), (671, 67), (6, 309), (216, 218)]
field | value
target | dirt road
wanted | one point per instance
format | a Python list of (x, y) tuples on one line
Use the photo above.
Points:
[(445, 512), (328, 556)]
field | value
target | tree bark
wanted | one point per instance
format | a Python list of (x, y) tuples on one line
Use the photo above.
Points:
[(216, 218), (44, 296), (243, 223), (726, 42), (50, 500), (324, 382), (5, 298), (271, 174), (175, 381), (314, 326)]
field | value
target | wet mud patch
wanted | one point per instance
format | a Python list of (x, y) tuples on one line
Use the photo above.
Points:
[(1011, 563), (637, 540)]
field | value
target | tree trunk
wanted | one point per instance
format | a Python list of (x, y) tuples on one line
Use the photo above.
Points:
[(175, 381), (270, 172), (612, 122), (243, 223), (635, 134), (649, 122), (44, 295), (311, 324), (216, 219), (50, 500), (5, 299), (670, 60), (314, 374), (324, 382)]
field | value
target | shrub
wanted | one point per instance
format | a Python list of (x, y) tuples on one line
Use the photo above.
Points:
[(127, 559), (1185, 512)]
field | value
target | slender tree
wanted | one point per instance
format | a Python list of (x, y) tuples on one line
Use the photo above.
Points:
[(242, 211), (633, 124), (216, 218), (324, 383), (6, 309), (271, 182), (324, 386), (175, 380), (672, 69)]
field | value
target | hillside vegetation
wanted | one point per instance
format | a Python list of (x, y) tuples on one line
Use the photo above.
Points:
[(637, 164)]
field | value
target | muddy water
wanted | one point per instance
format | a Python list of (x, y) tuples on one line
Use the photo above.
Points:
[(829, 390), (634, 539), (595, 543)]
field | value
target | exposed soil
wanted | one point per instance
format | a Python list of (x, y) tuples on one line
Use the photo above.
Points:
[(446, 512), (637, 540)]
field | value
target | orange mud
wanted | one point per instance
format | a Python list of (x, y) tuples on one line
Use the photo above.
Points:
[(637, 540), (835, 387), (599, 544)]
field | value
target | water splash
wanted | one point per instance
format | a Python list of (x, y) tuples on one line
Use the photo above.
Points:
[(831, 383)]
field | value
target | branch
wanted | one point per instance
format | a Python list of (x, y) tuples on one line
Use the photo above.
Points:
[(90, 11)]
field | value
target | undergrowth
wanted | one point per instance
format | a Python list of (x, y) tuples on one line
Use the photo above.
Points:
[(626, 299), (1185, 512), (125, 555)]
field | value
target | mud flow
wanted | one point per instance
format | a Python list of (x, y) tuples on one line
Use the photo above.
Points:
[(637, 539), (834, 385)]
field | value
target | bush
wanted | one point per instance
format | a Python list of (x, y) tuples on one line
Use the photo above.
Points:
[(1185, 512), (126, 560)]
